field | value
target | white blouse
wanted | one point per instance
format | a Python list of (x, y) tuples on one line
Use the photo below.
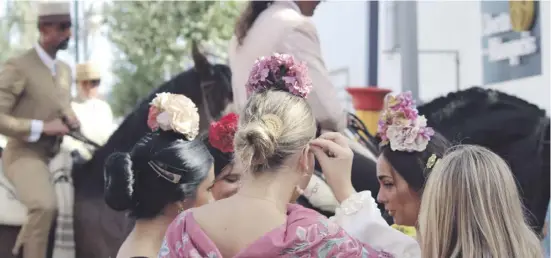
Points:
[(360, 218)]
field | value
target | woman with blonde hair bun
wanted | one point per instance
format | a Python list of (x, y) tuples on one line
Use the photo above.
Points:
[(471, 208), (275, 147)]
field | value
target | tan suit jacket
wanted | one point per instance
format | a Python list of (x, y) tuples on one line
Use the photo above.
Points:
[(283, 29), (28, 91)]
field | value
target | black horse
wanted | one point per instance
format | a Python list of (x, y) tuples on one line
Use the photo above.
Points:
[(208, 86), (511, 127)]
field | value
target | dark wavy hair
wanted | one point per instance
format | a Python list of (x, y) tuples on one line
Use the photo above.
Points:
[(221, 159), (412, 166), (133, 184), (248, 17)]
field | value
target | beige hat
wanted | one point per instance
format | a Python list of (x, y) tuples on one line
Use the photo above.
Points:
[(50, 9), (87, 72)]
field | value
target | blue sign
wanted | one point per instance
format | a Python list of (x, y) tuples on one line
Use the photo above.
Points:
[(510, 40)]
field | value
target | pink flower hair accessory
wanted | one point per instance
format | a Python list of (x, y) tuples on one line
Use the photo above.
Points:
[(279, 71), (174, 112), (401, 126)]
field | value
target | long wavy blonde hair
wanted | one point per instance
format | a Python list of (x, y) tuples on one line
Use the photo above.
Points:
[(471, 208)]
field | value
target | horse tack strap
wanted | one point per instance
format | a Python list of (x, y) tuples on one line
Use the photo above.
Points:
[(210, 119), (174, 178)]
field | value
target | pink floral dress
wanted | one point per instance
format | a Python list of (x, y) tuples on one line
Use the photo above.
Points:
[(306, 234)]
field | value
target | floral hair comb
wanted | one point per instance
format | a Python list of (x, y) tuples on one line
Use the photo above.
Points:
[(401, 126), (222, 132), (279, 71), (174, 112)]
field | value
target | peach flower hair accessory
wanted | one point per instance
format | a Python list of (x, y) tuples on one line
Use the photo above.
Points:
[(174, 112), (401, 126), (279, 71)]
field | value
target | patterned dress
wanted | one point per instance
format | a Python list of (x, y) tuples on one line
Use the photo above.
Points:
[(305, 234)]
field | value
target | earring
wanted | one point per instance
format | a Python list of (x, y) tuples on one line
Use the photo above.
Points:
[(181, 209), (309, 193)]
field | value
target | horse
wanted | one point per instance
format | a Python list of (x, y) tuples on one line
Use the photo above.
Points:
[(511, 127), (99, 230)]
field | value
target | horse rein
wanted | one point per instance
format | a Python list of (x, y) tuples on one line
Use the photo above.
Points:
[(75, 133)]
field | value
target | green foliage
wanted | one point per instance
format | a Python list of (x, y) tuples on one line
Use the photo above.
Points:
[(17, 28), (152, 40)]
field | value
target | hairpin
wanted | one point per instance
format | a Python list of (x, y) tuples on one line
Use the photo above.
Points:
[(431, 161), (273, 122), (173, 178)]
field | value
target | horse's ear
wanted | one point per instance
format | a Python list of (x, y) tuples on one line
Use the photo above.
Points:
[(200, 61)]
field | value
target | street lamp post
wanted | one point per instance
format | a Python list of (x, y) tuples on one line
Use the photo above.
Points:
[(77, 31)]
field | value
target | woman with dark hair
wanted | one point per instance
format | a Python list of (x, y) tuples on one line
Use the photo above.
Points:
[(408, 153), (220, 144), (165, 173)]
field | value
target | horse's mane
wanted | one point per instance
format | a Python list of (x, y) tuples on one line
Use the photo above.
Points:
[(89, 176), (478, 111), (509, 126)]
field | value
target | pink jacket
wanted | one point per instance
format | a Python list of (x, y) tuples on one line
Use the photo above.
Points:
[(283, 29)]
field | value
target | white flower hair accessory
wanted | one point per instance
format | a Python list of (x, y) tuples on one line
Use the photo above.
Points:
[(174, 112), (402, 127)]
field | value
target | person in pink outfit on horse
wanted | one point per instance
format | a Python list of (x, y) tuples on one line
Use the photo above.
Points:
[(275, 146)]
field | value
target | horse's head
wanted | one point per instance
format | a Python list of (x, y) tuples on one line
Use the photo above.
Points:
[(215, 83)]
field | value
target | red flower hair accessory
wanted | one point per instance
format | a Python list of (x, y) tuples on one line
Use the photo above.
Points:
[(222, 132)]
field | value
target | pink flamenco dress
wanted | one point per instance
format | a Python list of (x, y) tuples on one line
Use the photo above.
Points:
[(306, 234)]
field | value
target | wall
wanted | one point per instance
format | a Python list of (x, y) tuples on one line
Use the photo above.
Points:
[(456, 25), (342, 28), (442, 25)]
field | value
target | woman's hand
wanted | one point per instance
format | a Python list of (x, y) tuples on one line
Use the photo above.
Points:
[(335, 158)]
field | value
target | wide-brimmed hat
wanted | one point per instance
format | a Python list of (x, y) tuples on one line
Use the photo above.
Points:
[(87, 72)]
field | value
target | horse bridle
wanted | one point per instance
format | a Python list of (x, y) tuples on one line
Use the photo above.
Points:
[(203, 85)]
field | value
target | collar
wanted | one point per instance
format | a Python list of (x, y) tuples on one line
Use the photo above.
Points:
[(289, 3), (46, 59)]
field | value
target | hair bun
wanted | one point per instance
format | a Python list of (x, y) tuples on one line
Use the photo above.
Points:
[(261, 142), (119, 181)]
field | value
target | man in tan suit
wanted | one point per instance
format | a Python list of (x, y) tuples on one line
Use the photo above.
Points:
[(268, 27), (34, 95)]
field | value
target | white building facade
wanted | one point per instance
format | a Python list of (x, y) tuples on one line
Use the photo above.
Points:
[(454, 37)]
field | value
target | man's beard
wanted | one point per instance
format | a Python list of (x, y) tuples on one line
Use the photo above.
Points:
[(63, 45)]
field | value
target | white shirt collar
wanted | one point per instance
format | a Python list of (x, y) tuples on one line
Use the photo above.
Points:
[(46, 59)]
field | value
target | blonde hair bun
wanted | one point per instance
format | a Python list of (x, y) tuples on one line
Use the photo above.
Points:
[(261, 137)]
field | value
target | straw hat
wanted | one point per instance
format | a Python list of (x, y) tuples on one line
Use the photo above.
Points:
[(87, 72)]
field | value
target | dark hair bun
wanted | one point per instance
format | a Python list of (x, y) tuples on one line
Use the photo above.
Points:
[(119, 181)]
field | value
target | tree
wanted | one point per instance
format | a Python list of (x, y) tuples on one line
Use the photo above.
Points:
[(153, 40), (18, 28)]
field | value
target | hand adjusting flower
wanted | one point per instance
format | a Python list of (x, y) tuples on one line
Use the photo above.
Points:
[(174, 112)]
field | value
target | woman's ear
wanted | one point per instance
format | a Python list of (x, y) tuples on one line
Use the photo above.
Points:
[(306, 161)]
